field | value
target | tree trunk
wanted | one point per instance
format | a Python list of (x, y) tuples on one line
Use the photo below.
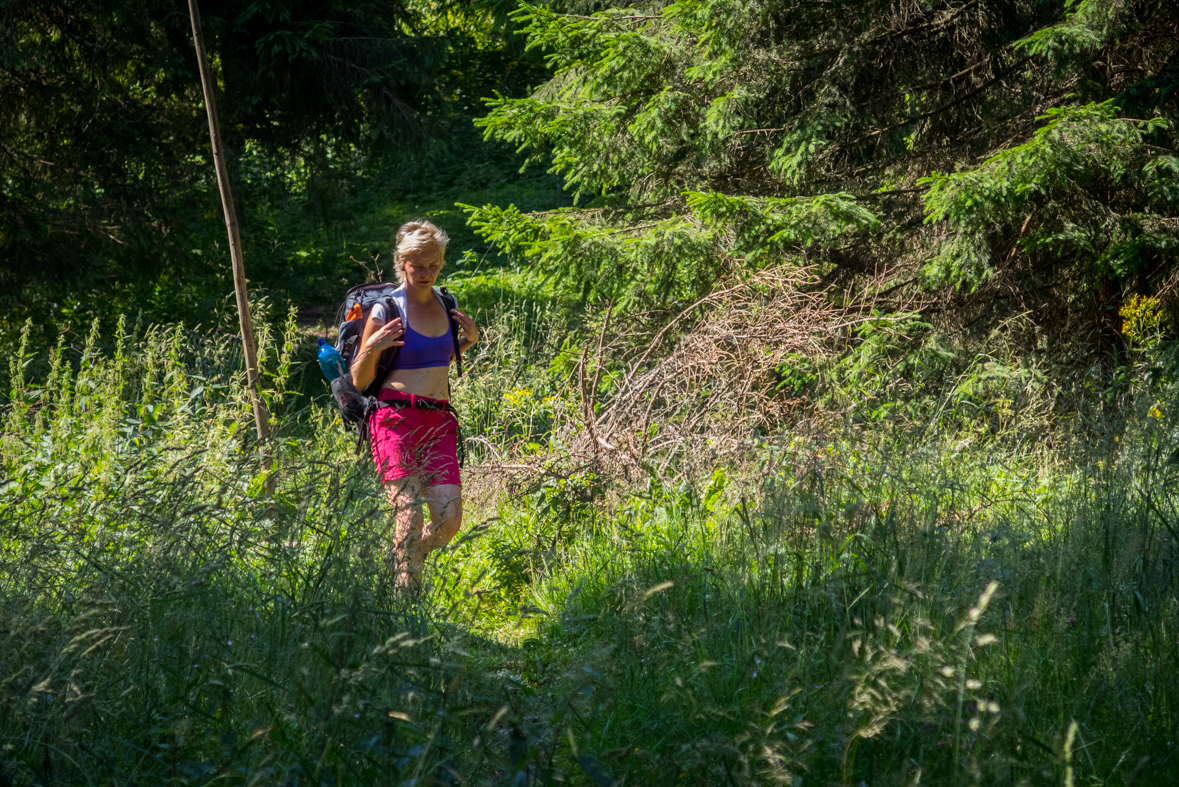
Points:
[(261, 420)]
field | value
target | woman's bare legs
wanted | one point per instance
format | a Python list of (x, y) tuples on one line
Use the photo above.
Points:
[(413, 539), (445, 502), (404, 495)]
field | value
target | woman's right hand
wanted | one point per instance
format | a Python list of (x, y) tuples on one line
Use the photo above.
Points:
[(388, 335)]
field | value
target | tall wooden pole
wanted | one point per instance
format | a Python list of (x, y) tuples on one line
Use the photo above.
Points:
[(261, 419)]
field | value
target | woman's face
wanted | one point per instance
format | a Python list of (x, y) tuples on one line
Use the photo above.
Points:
[(421, 267)]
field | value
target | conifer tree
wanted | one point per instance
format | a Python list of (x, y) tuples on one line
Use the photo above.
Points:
[(966, 147)]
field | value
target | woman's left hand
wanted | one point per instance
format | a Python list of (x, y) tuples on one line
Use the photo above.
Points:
[(470, 330)]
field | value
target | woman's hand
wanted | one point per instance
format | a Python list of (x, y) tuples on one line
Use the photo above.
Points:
[(470, 330), (388, 335)]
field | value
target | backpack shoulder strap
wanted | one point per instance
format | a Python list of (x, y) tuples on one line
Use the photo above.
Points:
[(388, 357), (448, 302), (399, 298)]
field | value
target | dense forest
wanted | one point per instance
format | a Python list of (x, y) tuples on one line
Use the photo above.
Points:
[(824, 428)]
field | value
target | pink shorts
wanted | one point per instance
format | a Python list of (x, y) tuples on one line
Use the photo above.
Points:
[(410, 441)]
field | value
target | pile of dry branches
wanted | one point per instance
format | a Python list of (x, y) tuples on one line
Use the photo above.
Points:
[(708, 393)]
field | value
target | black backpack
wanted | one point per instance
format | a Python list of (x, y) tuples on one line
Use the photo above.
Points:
[(356, 405)]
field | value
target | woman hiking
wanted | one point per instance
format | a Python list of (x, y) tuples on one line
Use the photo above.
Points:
[(415, 437)]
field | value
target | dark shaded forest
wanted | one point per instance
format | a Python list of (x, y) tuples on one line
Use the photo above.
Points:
[(332, 113)]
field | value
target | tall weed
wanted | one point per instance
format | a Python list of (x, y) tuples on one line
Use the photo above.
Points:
[(163, 620), (870, 606)]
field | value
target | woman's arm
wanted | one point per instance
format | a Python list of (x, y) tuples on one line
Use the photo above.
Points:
[(375, 340)]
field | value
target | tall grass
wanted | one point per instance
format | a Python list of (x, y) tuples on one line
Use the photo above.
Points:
[(844, 608), (164, 621), (877, 614)]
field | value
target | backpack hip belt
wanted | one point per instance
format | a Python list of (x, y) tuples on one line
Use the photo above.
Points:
[(416, 401)]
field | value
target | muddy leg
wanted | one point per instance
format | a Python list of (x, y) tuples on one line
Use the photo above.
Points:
[(445, 502), (407, 556)]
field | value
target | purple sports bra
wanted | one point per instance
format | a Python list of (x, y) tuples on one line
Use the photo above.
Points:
[(424, 352)]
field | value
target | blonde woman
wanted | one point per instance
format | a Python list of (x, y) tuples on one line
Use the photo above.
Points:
[(414, 436)]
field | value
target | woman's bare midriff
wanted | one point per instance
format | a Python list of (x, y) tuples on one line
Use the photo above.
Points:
[(433, 382)]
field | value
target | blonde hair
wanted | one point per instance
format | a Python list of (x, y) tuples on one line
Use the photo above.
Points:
[(418, 235)]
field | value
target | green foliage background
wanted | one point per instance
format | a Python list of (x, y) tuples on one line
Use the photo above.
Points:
[(917, 520)]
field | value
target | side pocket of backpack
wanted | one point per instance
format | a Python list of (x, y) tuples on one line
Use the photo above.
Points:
[(351, 401)]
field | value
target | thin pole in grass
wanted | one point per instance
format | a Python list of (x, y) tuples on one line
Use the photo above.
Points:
[(261, 419)]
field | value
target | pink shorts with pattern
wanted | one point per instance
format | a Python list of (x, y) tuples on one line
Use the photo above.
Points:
[(410, 441)]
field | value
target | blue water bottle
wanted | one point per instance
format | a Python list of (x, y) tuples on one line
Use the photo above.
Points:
[(330, 361)]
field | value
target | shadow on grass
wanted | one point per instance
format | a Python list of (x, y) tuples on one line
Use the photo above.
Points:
[(866, 615)]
